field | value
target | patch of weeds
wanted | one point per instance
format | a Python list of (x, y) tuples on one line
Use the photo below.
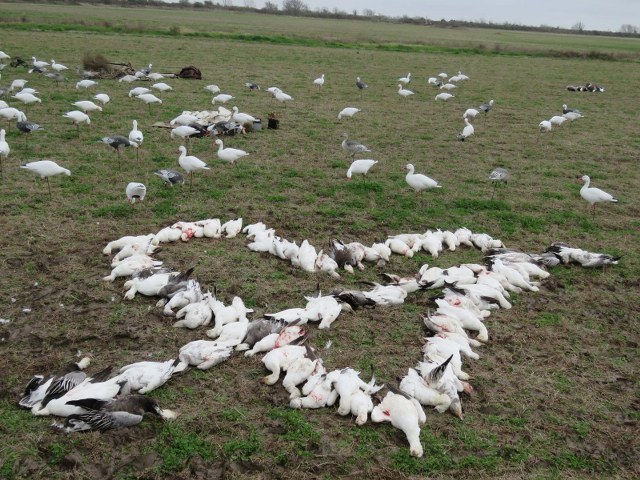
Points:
[(297, 430), (547, 319), (6, 469), (562, 382), (176, 446), (114, 211), (242, 449), (164, 209), (582, 429), (59, 450), (233, 414), (277, 198)]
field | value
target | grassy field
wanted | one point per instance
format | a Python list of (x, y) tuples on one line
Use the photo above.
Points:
[(556, 387)]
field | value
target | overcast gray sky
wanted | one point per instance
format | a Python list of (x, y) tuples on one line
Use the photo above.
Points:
[(607, 15)]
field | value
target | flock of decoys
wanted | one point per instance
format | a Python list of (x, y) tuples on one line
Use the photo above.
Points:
[(469, 294)]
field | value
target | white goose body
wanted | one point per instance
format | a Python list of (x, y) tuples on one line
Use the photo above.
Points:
[(403, 92), (594, 195), (87, 106), (4, 146), (467, 131), (144, 377), (85, 84), (319, 81), (135, 191), (149, 98), (406, 79), (45, 168), (242, 118), (103, 98), (27, 98), (136, 135), (418, 181), (348, 112), (190, 163), (77, 117), (405, 414), (444, 96), (222, 98), (134, 92), (11, 113), (229, 155), (361, 167), (204, 354)]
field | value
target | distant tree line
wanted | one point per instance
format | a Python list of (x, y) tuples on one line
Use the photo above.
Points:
[(300, 8)]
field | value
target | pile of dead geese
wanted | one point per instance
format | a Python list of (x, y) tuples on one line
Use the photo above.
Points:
[(470, 293)]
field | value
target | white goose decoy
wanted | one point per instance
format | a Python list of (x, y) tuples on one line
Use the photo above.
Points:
[(406, 79), (4, 149), (572, 115), (171, 177), (149, 98), (86, 83), (360, 167), (184, 118), (127, 79), (134, 92), (87, 106), (190, 163), (418, 181), (282, 97), (467, 131), (184, 132), (594, 195), (557, 120), (348, 112), (470, 113), (135, 191), (448, 86), (103, 98), (403, 92), (58, 67), (45, 169), (319, 81), (162, 87), (136, 136), (212, 88), (229, 155), (462, 76), (444, 96), (11, 113), (242, 118), (3, 56), (222, 98), (443, 75), (497, 176), (545, 126), (486, 107), (26, 98), (78, 117), (361, 85), (17, 83), (39, 63)]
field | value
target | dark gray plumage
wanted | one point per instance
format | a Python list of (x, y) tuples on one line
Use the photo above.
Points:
[(171, 177)]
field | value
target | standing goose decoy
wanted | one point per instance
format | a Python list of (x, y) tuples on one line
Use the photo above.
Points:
[(4, 56), (594, 195), (319, 81), (58, 67), (544, 126), (252, 86), (406, 79), (361, 85), (466, 132), (190, 164), (282, 97), (418, 181), (86, 83), (45, 169), (11, 113), (103, 98), (135, 191), (184, 132), (498, 176), (28, 127), (403, 92), (18, 83), (212, 88), (229, 155), (566, 109), (470, 113), (117, 141), (171, 177), (352, 147), (360, 167), (557, 120), (136, 136), (222, 98), (137, 91), (572, 115), (77, 117), (4, 150), (103, 415), (149, 98), (39, 63), (242, 118), (444, 96), (162, 87)]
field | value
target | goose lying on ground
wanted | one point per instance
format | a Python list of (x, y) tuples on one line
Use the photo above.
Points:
[(204, 354), (144, 377), (568, 255), (42, 387)]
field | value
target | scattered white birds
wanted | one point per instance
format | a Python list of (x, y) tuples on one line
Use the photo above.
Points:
[(444, 96), (229, 155), (360, 167), (403, 92), (418, 181), (406, 79), (467, 131), (348, 112), (352, 147), (103, 98), (222, 98), (87, 106), (135, 191), (86, 83), (319, 81), (45, 169), (78, 117), (594, 195)]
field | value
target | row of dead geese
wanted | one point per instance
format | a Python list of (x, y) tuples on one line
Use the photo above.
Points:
[(470, 293)]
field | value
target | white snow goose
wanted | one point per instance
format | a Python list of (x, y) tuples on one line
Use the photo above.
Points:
[(361, 167), (46, 169), (229, 155), (190, 163), (418, 181), (594, 195)]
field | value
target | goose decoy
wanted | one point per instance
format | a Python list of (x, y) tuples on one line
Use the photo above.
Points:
[(568, 255), (149, 98), (39, 63), (467, 131), (594, 195), (26, 98), (403, 92), (566, 109), (171, 177), (498, 176), (418, 181), (229, 155), (352, 147), (348, 112), (252, 86), (406, 79), (86, 83), (11, 113), (77, 117), (103, 98), (486, 107), (18, 83), (117, 141), (448, 86), (222, 98), (319, 81), (46, 169), (444, 96), (137, 91), (103, 415), (190, 164), (4, 149), (58, 67), (360, 167), (87, 106), (212, 88), (135, 191), (242, 118), (470, 113), (28, 127), (162, 87), (136, 136), (361, 85)]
